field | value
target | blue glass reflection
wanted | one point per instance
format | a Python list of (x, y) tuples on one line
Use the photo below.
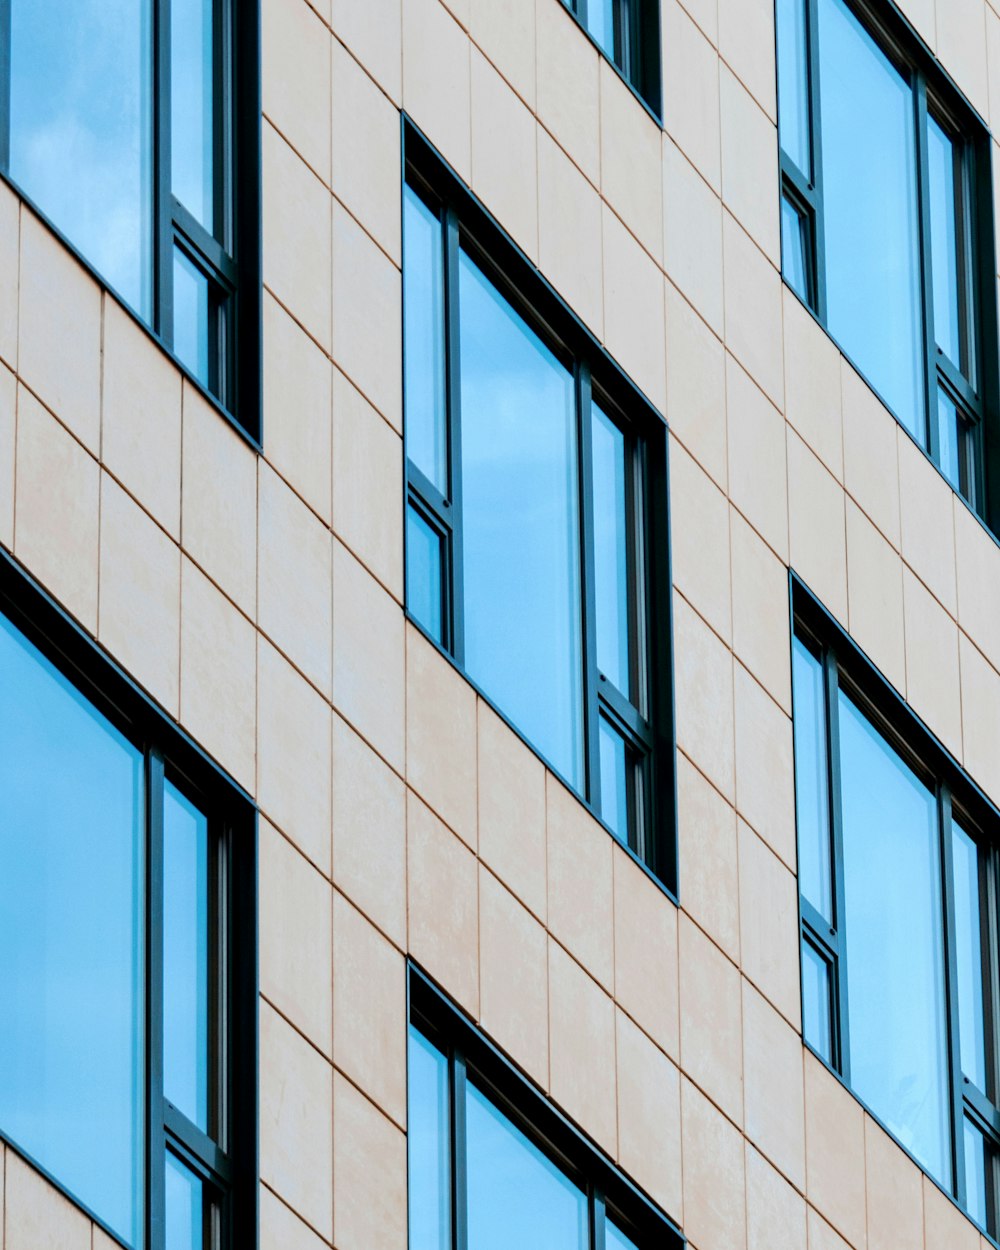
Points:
[(976, 1172), (521, 524), (429, 1146), (81, 129), (601, 24), (949, 424), (794, 265), (71, 948), (816, 1001), (614, 780), (423, 573), (941, 164), (812, 800), (610, 551), (183, 1207), (969, 957), (423, 347), (191, 316), (615, 1239), (192, 105), (793, 83)]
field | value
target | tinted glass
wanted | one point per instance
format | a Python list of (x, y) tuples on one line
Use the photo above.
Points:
[(949, 439), (816, 1001), (192, 103), (191, 316), (521, 524), (870, 212), (812, 799), (793, 82), (969, 957), (941, 168), (614, 780), (423, 573), (601, 24), (183, 1208), (611, 551), (423, 347), (81, 129), (72, 1052), (794, 265), (428, 1143), (615, 1239), (517, 1197), (976, 1171), (893, 930), (186, 1078)]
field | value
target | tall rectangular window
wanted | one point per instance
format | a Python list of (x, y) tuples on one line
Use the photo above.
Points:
[(125, 123), (628, 33), (535, 485), (886, 222)]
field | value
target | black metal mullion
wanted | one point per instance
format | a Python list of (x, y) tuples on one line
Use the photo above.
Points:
[(155, 1130), (841, 1024), (931, 431), (455, 626), (5, 84), (163, 225), (459, 1155), (593, 680), (951, 992), (817, 234)]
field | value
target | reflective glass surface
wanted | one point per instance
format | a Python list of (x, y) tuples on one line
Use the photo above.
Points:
[(614, 780), (186, 1080), (192, 103), (423, 345), (601, 24), (610, 551), (615, 1239), (423, 573), (794, 265), (184, 1217), (81, 130), (816, 1023), (894, 944), (428, 1143), (941, 162), (812, 799), (969, 957), (949, 439), (72, 1050), (521, 524), (870, 212), (191, 316), (793, 83), (975, 1173), (517, 1196)]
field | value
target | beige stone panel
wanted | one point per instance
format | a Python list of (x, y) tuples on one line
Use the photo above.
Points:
[(700, 553), (568, 91), (369, 1010), (296, 1117), (631, 174), (769, 925), (871, 459), (703, 676), (691, 91), (633, 310), (746, 42), (649, 1117), (961, 46), (993, 64), (367, 313), (460, 10), (8, 404), (366, 155), (369, 1174), (977, 559), (297, 406), (582, 1049), (711, 1020), (821, 1235), (369, 678), (373, 33), (944, 1223), (875, 596), (296, 928), (140, 595), (441, 736), (932, 672), (980, 716), (696, 386), (580, 882), (36, 1215), (296, 229), (281, 1228), (705, 13), (295, 579), (218, 675), (758, 483), (570, 244), (59, 331), (760, 611), (714, 1177), (442, 889), (774, 1092), (295, 79), (436, 90), (100, 1240), (219, 501), (293, 755), (817, 527), (504, 171), (776, 1214), (753, 309), (10, 246), (692, 234), (765, 772), (835, 1152), (709, 873), (505, 30), (921, 13), (513, 975), (813, 384), (646, 969), (749, 163), (928, 522), (895, 1193), (56, 530), (369, 832)]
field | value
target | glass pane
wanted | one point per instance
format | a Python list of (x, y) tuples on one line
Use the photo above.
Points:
[(812, 800), (615, 1239), (975, 1173), (186, 1078), (941, 160), (183, 1208), (428, 1141), (870, 205), (895, 958), (949, 440), (192, 107), (521, 524), (601, 24), (423, 573), (191, 316), (81, 130), (423, 347), (969, 957), (72, 1050), (794, 263), (614, 780), (611, 552), (816, 1023), (793, 83), (517, 1197)]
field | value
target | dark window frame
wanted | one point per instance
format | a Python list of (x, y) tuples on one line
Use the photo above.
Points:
[(637, 37), (227, 1161), (231, 258), (650, 733), (845, 666)]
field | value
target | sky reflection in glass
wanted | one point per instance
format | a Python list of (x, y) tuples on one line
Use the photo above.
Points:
[(793, 83), (812, 799), (969, 957), (423, 347), (192, 102), (428, 1144)]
